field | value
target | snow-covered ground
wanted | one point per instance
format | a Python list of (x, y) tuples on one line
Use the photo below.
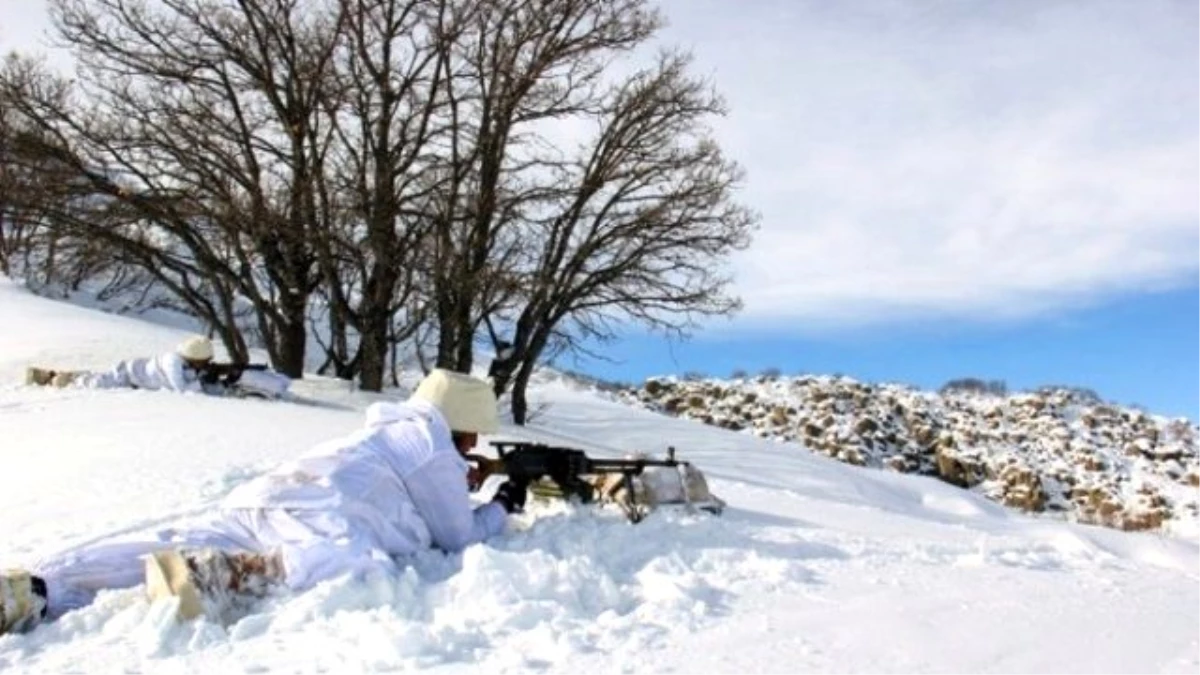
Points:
[(815, 566)]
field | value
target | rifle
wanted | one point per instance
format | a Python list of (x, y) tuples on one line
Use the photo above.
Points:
[(526, 463), (227, 374)]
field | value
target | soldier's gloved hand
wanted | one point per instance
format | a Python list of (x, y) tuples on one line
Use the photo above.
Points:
[(511, 495), (479, 469), (475, 478)]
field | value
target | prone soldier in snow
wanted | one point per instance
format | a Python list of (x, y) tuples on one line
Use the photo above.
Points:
[(188, 368), (358, 504), (178, 370)]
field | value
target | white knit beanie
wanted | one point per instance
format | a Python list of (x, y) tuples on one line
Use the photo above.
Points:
[(466, 402), (196, 348)]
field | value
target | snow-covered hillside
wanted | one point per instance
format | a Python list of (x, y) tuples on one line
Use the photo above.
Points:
[(1054, 451), (815, 566)]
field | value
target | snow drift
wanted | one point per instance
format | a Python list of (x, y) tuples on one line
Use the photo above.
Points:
[(815, 566)]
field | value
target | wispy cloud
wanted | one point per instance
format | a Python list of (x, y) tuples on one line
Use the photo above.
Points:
[(920, 158), (973, 160)]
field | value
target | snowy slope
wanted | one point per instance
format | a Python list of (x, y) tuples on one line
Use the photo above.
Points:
[(816, 565)]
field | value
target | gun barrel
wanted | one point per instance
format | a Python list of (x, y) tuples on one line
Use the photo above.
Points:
[(628, 464)]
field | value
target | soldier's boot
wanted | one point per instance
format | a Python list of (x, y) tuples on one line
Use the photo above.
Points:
[(22, 601), (65, 378), (209, 581), (39, 377)]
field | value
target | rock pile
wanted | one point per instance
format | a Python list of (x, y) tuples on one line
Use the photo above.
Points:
[(1053, 451)]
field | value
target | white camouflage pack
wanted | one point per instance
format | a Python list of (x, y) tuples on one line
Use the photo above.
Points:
[(658, 487), (262, 384)]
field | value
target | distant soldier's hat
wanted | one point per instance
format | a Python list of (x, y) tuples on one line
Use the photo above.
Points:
[(197, 348)]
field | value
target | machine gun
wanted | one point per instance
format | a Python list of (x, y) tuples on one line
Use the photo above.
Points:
[(528, 463), (227, 374)]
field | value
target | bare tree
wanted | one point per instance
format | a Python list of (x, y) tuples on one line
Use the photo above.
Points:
[(30, 245), (374, 172), (555, 245), (640, 230), (204, 124), (385, 113), (20, 188), (520, 66)]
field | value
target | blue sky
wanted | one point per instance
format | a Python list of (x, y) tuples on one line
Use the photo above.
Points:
[(1002, 190), (1138, 349), (1008, 190)]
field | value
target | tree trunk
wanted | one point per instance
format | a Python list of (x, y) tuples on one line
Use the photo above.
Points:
[(226, 326), (451, 333), (291, 336), (394, 348), (528, 358), (373, 352), (344, 367), (464, 356), (520, 406), (501, 372)]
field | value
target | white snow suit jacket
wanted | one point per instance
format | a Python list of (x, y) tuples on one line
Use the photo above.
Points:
[(166, 371), (396, 487)]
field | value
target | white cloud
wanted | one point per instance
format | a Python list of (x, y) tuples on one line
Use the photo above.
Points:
[(912, 159), (920, 158)]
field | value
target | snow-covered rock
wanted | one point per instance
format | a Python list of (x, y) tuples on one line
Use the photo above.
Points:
[(1053, 451)]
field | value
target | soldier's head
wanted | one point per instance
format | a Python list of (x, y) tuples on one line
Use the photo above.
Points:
[(196, 350), (467, 403)]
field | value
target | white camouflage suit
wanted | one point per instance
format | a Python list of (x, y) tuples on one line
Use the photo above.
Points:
[(167, 371), (350, 505)]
